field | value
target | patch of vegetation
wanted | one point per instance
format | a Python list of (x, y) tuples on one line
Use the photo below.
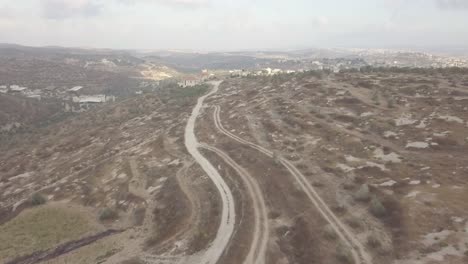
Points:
[(354, 222), (363, 194), (390, 102), (106, 255), (40, 228), (195, 91), (139, 216), (152, 241), (373, 241), (134, 260), (377, 208), (329, 233), (199, 240), (344, 255), (37, 199), (108, 214)]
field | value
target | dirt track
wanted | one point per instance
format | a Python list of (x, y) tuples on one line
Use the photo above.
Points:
[(359, 253), (226, 227), (258, 247)]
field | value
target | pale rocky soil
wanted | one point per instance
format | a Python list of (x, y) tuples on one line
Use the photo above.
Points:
[(403, 135), (356, 138)]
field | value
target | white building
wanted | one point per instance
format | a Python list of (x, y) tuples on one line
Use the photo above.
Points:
[(189, 82), (98, 98), (84, 102), (34, 96), (276, 71), (17, 89), (75, 89)]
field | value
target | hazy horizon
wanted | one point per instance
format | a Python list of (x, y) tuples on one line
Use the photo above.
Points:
[(227, 25)]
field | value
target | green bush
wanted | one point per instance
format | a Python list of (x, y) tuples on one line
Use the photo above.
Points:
[(344, 255), (37, 199), (134, 260), (373, 241), (390, 103), (107, 214), (354, 222), (377, 208), (329, 233), (363, 194)]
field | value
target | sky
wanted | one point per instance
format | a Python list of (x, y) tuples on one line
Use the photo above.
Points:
[(209, 25)]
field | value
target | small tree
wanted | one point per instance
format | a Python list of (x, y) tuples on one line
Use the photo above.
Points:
[(343, 254), (390, 102), (107, 214), (363, 194), (354, 222), (276, 158), (375, 97), (377, 208), (37, 199), (373, 241), (329, 233)]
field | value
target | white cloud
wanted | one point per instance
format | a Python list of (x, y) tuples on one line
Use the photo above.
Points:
[(60, 9), (320, 21), (186, 3), (173, 3), (452, 4)]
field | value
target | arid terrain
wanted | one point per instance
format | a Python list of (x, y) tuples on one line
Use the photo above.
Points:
[(356, 167)]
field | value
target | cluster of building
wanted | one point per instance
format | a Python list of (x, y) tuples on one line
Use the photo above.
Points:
[(21, 90), (191, 81), (262, 72), (73, 99)]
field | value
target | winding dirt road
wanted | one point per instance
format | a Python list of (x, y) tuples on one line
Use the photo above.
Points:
[(228, 216), (357, 249), (258, 247)]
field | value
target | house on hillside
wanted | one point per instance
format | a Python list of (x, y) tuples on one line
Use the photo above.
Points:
[(75, 90), (85, 102), (3, 89), (189, 82), (16, 89), (34, 94)]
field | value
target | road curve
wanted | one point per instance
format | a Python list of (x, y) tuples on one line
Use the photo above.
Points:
[(258, 247), (228, 216), (358, 251)]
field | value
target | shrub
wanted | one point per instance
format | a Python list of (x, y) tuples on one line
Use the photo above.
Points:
[(107, 214), (340, 208), (139, 216), (37, 199), (329, 233), (390, 103), (354, 222), (363, 194), (375, 97), (152, 241), (377, 208), (134, 260), (344, 255), (373, 241)]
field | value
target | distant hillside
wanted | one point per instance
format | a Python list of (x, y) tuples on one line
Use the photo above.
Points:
[(19, 113), (191, 62), (98, 71)]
